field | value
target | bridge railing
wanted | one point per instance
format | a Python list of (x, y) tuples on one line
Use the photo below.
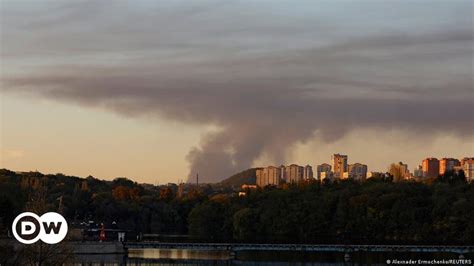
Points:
[(301, 247)]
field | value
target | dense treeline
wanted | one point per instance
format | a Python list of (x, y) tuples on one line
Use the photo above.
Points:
[(375, 211), (372, 212), (140, 208)]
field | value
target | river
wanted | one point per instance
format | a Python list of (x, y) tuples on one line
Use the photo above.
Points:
[(222, 257)]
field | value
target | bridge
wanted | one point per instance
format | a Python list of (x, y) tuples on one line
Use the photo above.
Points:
[(235, 247)]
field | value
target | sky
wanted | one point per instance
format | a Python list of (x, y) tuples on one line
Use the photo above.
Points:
[(158, 91)]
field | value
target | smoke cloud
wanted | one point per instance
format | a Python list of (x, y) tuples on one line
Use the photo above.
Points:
[(266, 78)]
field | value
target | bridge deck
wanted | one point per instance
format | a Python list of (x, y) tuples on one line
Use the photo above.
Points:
[(299, 247)]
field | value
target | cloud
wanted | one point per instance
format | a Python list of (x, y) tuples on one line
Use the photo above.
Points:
[(267, 82)]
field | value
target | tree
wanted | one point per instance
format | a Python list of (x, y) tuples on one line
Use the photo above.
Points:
[(244, 224), (40, 253), (208, 221), (166, 194), (121, 193)]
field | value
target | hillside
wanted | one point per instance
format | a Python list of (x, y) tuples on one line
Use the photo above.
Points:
[(245, 177)]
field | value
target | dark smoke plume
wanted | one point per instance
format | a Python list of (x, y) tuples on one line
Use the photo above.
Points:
[(292, 81)]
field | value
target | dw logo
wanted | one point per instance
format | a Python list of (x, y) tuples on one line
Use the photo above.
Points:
[(51, 228)]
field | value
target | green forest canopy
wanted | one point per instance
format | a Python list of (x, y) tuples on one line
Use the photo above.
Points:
[(375, 211)]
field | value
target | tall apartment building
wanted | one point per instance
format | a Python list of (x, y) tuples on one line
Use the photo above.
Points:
[(404, 169), (270, 175), (282, 173), (448, 164), (465, 160), (418, 172), (357, 171), (467, 165), (430, 167), (327, 175), (401, 170), (339, 165), (323, 168), (293, 173), (308, 172)]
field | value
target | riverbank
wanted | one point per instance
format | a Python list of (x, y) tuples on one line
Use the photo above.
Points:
[(95, 247), (90, 247), (78, 247), (163, 253)]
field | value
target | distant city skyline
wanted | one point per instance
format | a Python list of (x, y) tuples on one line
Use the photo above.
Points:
[(342, 168), (160, 91)]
